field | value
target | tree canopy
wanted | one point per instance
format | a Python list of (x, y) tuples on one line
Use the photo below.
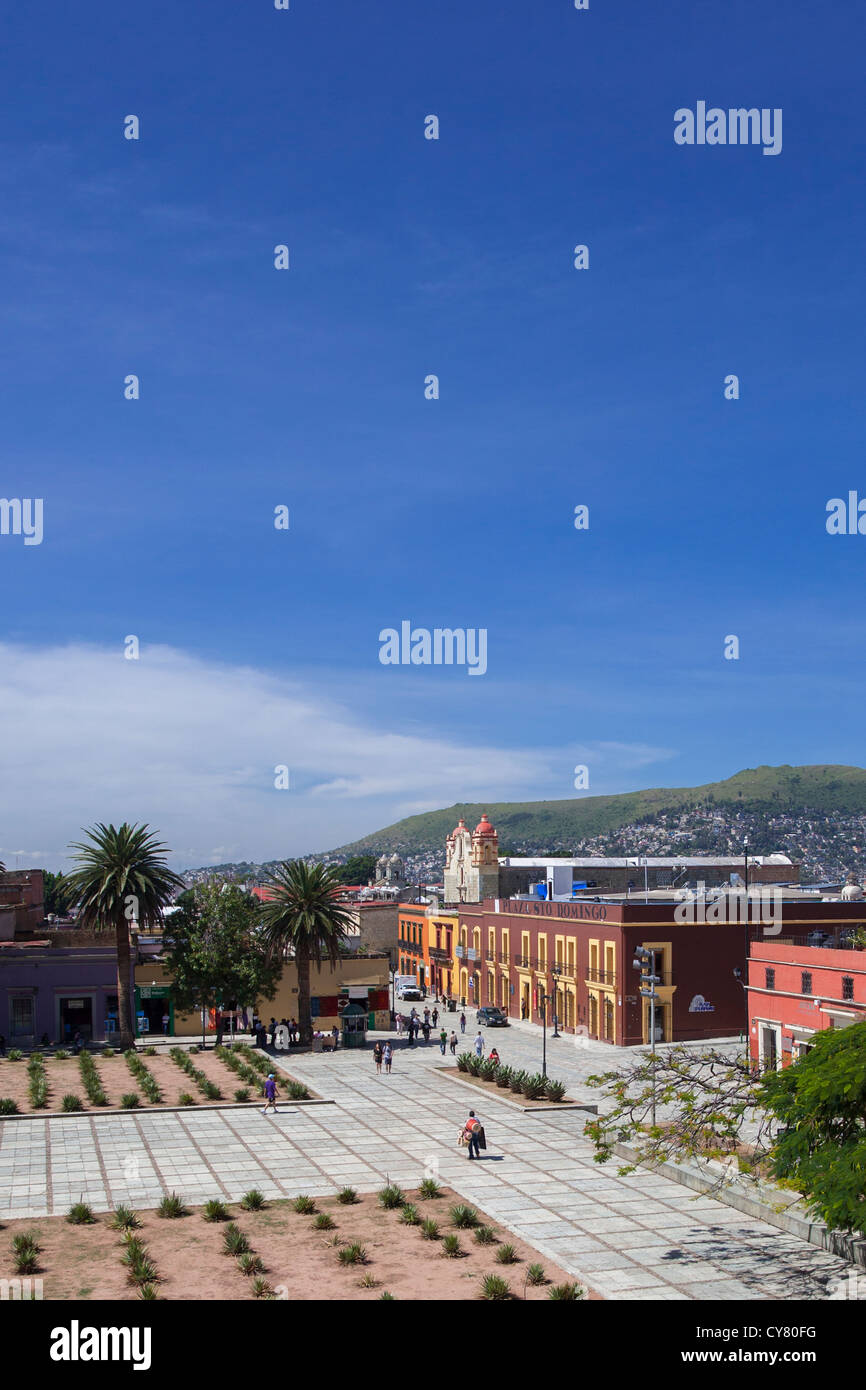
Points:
[(216, 953)]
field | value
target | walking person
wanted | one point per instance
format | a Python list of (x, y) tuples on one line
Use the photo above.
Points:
[(387, 1057), (427, 1014), (377, 1057), (434, 1017), (399, 1025), (443, 1039), (453, 1043), (425, 1029), (270, 1095), (479, 1045), (462, 1023), (165, 1023), (473, 1133), (272, 1029)]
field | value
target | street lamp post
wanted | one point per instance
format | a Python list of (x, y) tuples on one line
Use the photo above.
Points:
[(746, 942), (644, 961), (556, 971), (542, 1000)]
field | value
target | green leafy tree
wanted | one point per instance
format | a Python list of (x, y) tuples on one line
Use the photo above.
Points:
[(217, 953), (57, 894), (820, 1105), (805, 1125), (304, 919), (121, 877), (359, 868)]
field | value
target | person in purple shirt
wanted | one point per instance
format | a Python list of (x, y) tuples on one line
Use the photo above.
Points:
[(270, 1095)]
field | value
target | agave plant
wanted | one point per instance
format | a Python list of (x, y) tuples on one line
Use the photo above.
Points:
[(555, 1090), (474, 1066), (517, 1080), (534, 1087), (463, 1060), (488, 1069), (503, 1076)]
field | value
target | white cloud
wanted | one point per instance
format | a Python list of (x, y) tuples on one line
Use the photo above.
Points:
[(190, 747)]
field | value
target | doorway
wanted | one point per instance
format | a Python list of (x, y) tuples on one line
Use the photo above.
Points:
[(76, 1016)]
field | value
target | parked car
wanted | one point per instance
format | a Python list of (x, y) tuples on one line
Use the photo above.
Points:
[(409, 992), (489, 1017)]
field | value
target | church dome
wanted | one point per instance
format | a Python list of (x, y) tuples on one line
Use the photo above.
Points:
[(461, 826), (484, 827)]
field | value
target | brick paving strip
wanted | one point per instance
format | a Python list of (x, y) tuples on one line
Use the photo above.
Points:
[(636, 1237)]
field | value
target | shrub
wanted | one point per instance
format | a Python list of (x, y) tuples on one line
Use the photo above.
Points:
[(186, 1099), (71, 1102), (451, 1247), (234, 1241), (516, 1082), (305, 1206), (242, 1093), (555, 1090), (124, 1219), (210, 1090), (536, 1275), (430, 1230), (466, 1218), (80, 1214), (253, 1200), (506, 1255), (347, 1196), (134, 1250), (369, 1281), (8, 1106), (324, 1222), (391, 1197), (474, 1066), (108, 1051), (215, 1210), (150, 1052), (298, 1091), (503, 1076), (409, 1215), (534, 1086), (488, 1069), (429, 1189), (485, 1235), (388, 1295), (494, 1289), (248, 1263), (571, 1293), (26, 1241), (353, 1254), (61, 1055), (463, 1060), (26, 1261), (129, 1101), (172, 1207), (262, 1289), (147, 1291), (15, 1054)]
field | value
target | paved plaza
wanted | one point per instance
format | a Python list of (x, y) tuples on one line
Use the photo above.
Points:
[(642, 1236)]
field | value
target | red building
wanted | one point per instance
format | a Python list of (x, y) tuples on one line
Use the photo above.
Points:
[(580, 956), (800, 985)]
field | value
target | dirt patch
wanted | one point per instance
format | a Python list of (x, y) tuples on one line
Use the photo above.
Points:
[(301, 1263), (503, 1092), (64, 1078)]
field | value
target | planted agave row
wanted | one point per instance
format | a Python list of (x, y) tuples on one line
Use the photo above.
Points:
[(256, 1068), (37, 1086), (207, 1087), (532, 1085), (146, 1080), (90, 1080)]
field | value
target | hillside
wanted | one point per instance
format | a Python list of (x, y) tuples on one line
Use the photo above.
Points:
[(527, 826)]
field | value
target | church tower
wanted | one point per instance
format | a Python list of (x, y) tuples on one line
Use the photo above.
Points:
[(472, 863)]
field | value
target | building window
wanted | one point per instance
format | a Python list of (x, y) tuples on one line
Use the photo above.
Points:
[(771, 979), (21, 1017), (847, 986), (806, 982)]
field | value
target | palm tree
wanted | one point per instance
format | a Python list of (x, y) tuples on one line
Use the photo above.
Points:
[(305, 918), (121, 877)]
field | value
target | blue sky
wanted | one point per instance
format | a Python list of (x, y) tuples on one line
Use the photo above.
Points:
[(306, 387)]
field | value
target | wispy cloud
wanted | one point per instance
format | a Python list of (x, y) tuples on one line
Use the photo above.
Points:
[(191, 747)]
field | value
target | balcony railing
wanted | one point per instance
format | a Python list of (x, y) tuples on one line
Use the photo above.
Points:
[(601, 977)]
